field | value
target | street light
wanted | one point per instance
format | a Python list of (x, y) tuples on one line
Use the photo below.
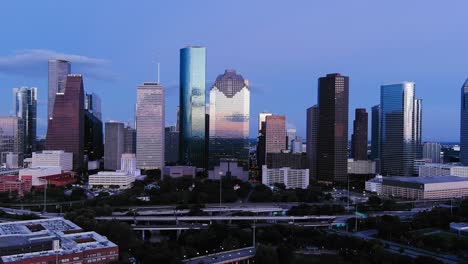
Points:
[(220, 188)]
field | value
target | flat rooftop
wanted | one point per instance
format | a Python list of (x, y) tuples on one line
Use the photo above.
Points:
[(427, 179)]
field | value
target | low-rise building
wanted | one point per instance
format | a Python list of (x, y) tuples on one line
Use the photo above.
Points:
[(179, 171), (111, 180), (362, 167), (437, 169), (291, 178), (375, 184), (53, 158), (228, 168), (11, 184), (36, 175), (417, 163), (420, 188), (53, 240)]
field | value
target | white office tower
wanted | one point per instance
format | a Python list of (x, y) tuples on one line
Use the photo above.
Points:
[(150, 121), (53, 158), (128, 164), (431, 150), (291, 178)]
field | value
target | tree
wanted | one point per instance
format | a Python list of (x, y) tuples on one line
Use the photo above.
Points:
[(266, 255)]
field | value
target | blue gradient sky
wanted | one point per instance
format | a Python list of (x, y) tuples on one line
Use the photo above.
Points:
[(281, 47)]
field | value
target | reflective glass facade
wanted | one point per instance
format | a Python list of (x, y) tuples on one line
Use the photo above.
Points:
[(58, 71), (397, 129), (11, 136), (464, 124), (359, 137), (229, 119), (192, 106), (375, 140), (26, 109), (311, 141)]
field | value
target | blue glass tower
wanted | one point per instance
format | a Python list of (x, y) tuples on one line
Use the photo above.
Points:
[(193, 106), (464, 124)]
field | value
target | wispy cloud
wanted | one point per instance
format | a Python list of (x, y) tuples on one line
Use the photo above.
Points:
[(33, 62)]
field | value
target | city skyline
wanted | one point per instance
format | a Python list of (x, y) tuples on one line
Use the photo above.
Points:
[(297, 67)]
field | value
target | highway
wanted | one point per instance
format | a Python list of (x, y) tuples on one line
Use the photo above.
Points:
[(169, 227), (217, 218)]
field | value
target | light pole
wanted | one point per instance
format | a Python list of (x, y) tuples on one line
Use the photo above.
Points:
[(45, 196), (220, 188)]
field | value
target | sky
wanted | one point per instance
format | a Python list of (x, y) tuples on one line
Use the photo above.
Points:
[(281, 47)]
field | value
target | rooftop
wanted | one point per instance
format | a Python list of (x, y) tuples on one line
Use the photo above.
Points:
[(428, 180)]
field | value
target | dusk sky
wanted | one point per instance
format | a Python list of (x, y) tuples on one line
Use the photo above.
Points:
[(281, 47)]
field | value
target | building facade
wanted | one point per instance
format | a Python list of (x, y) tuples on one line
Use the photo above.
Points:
[(192, 106), (332, 140), (275, 134), (375, 130), (58, 71), (11, 137), (432, 150), (291, 178), (93, 136), (114, 146), (150, 123), (26, 109), (359, 137), (111, 180), (311, 140), (172, 144), (229, 119), (260, 154), (464, 124), (129, 140), (397, 129), (53, 158), (66, 125)]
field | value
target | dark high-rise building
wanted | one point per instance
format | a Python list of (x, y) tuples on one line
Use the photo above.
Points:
[(172, 144), (58, 71), (464, 124), (26, 109), (193, 106), (290, 160), (332, 140), (129, 140), (375, 138), (398, 129), (359, 137), (93, 105), (114, 146), (229, 119), (260, 154), (66, 125), (312, 133), (418, 128), (93, 136)]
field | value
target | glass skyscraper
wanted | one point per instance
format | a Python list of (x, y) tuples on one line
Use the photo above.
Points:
[(193, 106), (359, 137), (229, 119), (311, 141), (150, 121), (399, 128), (26, 109), (58, 71), (11, 136), (375, 138), (464, 124)]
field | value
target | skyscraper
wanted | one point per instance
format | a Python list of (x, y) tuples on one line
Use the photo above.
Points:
[(260, 154), (150, 119), (192, 106), (375, 140), (114, 146), (129, 140), (290, 136), (229, 119), (26, 109), (398, 129), (93, 136), (11, 136), (359, 137), (311, 140), (93, 104), (431, 150), (171, 144), (66, 125), (58, 71), (418, 128), (275, 134), (464, 124), (332, 140)]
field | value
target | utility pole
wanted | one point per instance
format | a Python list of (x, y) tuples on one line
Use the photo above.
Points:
[(220, 189)]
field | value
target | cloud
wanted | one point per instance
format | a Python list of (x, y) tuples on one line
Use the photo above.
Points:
[(33, 62)]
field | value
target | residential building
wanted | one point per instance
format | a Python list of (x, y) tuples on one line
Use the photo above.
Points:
[(420, 188), (26, 109), (53, 158), (114, 146), (332, 139), (58, 72), (432, 150), (66, 125), (229, 116), (192, 142), (359, 137), (53, 240), (11, 137), (150, 121), (291, 178)]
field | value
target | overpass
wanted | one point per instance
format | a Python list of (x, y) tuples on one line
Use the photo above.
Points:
[(217, 218)]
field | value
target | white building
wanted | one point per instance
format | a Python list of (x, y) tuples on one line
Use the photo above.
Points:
[(431, 150), (150, 122), (109, 179), (228, 168), (12, 160), (418, 163), (179, 171), (361, 166), (53, 158), (437, 169), (34, 174), (291, 178), (375, 184), (128, 163)]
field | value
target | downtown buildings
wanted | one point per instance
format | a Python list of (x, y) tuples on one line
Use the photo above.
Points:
[(11, 137), (229, 119), (400, 129), (150, 120), (359, 137), (58, 71), (25, 107), (193, 147)]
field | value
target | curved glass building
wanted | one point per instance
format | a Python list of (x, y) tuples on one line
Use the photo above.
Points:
[(192, 106), (229, 119)]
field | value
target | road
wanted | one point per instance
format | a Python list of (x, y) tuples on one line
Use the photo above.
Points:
[(216, 218)]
